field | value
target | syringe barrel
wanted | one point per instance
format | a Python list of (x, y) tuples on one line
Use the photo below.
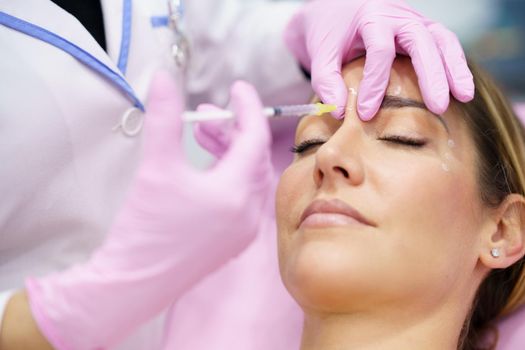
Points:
[(295, 110)]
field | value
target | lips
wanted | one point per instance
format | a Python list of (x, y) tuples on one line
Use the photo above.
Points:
[(333, 212)]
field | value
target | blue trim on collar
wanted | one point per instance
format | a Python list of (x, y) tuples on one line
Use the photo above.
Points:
[(72, 49), (126, 37)]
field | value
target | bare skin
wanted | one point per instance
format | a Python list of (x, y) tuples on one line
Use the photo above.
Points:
[(19, 330)]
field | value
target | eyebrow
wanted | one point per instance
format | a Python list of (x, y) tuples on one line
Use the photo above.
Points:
[(403, 102)]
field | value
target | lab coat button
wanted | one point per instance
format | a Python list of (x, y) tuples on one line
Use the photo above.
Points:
[(132, 121)]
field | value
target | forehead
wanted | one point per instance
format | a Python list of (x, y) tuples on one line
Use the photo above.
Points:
[(403, 79), (403, 83)]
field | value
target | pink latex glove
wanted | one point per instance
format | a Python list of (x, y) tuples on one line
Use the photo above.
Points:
[(512, 331), (214, 136), (176, 226), (325, 34)]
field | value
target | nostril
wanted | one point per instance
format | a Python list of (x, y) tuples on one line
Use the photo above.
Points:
[(342, 171), (320, 175)]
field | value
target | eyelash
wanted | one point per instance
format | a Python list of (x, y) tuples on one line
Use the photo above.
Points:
[(404, 141), (306, 145), (395, 139)]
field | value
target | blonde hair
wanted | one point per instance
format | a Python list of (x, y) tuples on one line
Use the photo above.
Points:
[(500, 143)]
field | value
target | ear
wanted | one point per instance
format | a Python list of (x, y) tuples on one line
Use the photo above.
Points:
[(504, 244)]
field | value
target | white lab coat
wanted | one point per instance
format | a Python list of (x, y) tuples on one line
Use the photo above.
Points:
[(64, 170)]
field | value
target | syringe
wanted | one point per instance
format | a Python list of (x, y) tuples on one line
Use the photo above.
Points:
[(270, 112)]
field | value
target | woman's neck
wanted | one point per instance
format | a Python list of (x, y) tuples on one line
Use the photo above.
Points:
[(392, 331)]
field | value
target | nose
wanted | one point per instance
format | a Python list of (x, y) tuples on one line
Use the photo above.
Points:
[(338, 162)]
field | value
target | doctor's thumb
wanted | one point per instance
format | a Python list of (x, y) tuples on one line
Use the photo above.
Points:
[(162, 122), (214, 136)]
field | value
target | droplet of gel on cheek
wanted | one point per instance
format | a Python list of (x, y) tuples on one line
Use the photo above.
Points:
[(447, 157)]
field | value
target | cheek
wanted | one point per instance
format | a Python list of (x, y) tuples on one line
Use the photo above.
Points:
[(432, 217), (295, 187), (436, 202), (287, 195)]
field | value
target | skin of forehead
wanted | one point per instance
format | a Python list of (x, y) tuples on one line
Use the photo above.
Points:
[(403, 79), (403, 83)]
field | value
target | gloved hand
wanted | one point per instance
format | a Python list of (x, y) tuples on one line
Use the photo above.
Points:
[(176, 226), (325, 34), (214, 136)]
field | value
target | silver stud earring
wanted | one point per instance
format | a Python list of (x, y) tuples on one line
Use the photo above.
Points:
[(495, 252)]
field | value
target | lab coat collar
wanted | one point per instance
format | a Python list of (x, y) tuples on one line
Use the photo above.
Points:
[(112, 11), (118, 18), (51, 17)]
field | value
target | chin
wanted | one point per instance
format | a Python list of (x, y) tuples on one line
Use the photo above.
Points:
[(324, 277)]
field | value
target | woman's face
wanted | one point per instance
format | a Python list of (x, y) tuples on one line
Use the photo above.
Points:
[(380, 212)]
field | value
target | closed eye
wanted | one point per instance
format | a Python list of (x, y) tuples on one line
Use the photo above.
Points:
[(404, 141), (306, 145)]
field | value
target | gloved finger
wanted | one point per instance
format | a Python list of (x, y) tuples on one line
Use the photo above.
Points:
[(380, 54), (417, 41), (251, 142), (163, 124), (327, 81), (460, 79), (214, 136)]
